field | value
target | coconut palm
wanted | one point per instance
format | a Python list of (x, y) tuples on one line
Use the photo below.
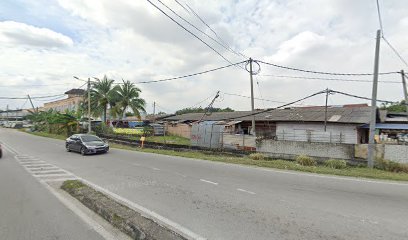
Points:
[(128, 97), (102, 92)]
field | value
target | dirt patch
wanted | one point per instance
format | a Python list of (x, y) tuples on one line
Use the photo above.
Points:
[(127, 220)]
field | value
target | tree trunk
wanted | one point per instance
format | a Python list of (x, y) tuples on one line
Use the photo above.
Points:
[(104, 113)]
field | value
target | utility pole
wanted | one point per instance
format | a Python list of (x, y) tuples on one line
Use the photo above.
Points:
[(325, 110), (7, 115), (252, 96), (154, 111), (373, 119), (404, 85), (32, 105), (89, 105)]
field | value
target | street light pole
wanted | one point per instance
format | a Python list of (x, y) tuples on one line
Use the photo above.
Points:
[(89, 100), (89, 105)]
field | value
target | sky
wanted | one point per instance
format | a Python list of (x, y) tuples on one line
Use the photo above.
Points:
[(44, 43)]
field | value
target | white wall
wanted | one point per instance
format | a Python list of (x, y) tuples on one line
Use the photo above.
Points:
[(299, 132), (396, 153)]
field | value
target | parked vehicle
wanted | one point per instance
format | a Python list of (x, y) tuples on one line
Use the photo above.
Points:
[(1, 152), (86, 144)]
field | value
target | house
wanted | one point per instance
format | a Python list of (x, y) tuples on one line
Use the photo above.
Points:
[(72, 103), (295, 124)]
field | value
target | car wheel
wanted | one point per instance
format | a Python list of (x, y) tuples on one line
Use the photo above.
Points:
[(68, 149), (83, 151)]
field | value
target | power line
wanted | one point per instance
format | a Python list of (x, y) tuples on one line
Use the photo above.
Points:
[(323, 73), (191, 75), (179, 24), (196, 28), (181, 5), (395, 51), (270, 109), (39, 97), (35, 85), (215, 33), (385, 40), (355, 96), (327, 79), (263, 99)]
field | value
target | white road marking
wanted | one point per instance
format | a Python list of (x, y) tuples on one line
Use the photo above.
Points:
[(203, 180), (187, 233), (155, 216), (245, 191), (33, 163), (43, 169), (84, 217), (59, 171), (53, 175), (332, 177), (136, 164), (58, 179), (156, 169), (38, 166)]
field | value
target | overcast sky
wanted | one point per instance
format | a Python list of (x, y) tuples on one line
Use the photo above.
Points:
[(44, 43)]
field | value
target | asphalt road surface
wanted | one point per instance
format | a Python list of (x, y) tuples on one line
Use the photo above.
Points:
[(28, 211), (223, 201)]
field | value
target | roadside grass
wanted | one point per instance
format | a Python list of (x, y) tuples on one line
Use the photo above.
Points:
[(360, 172), (169, 139), (44, 134)]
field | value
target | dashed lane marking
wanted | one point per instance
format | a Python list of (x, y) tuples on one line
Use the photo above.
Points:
[(206, 181), (245, 191), (44, 179)]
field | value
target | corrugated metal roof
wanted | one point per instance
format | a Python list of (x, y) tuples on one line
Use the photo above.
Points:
[(394, 126), (347, 115)]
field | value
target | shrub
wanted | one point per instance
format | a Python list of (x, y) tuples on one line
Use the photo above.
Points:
[(335, 163), (305, 160), (391, 166), (103, 129), (257, 156)]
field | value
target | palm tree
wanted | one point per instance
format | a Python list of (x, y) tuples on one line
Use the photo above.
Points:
[(102, 92), (128, 96)]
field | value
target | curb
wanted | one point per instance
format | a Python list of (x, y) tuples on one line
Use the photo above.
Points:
[(122, 217)]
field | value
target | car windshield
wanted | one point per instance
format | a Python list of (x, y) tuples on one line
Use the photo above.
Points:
[(90, 139)]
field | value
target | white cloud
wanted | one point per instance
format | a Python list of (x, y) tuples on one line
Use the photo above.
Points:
[(133, 40), (17, 33)]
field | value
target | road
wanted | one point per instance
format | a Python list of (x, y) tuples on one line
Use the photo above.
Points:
[(224, 201), (29, 211)]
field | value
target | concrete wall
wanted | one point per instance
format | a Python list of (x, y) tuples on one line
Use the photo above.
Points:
[(291, 149), (181, 129), (314, 132), (360, 151), (396, 153), (237, 141)]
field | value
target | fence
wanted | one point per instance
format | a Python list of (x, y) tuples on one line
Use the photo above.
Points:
[(315, 136)]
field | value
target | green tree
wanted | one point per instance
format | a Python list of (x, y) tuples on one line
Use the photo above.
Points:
[(128, 96), (395, 107), (102, 94)]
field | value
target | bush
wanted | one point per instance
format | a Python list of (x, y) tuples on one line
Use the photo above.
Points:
[(305, 160), (335, 163), (103, 129), (391, 166), (257, 156)]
